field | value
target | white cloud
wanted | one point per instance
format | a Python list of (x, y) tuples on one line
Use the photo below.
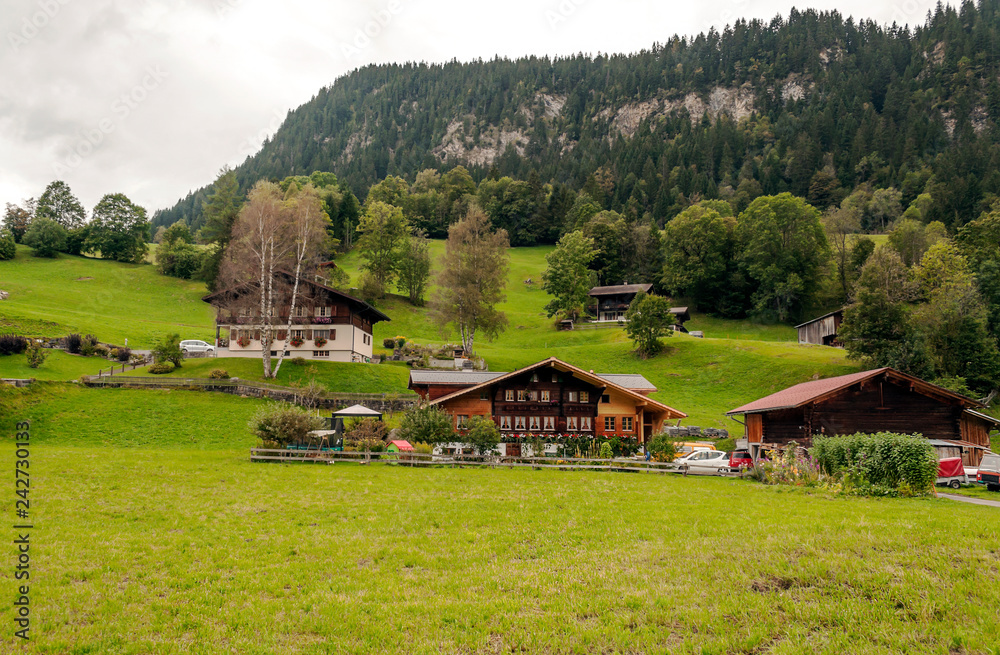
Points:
[(228, 71)]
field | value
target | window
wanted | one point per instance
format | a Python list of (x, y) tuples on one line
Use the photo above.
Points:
[(299, 311), (573, 396), (555, 378), (504, 422), (546, 396), (584, 396), (321, 334), (461, 421), (606, 398), (626, 424), (508, 395), (585, 425), (609, 423), (321, 353), (533, 423), (522, 395), (534, 377), (549, 423), (533, 396), (519, 423), (322, 311), (484, 394), (572, 423), (297, 334)]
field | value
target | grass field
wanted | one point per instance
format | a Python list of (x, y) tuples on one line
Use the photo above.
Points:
[(112, 301), (154, 534)]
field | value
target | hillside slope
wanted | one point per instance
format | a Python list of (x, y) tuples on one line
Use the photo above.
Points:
[(811, 104)]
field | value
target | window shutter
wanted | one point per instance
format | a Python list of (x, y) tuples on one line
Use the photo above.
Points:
[(281, 335), (309, 334)]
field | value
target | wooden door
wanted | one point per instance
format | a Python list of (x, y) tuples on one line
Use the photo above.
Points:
[(513, 449)]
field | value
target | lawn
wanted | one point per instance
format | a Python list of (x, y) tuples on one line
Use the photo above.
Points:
[(112, 301), (59, 365)]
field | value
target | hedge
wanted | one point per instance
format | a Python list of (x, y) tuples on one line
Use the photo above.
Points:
[(885, 459)]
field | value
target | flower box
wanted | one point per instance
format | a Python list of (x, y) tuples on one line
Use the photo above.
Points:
[(320, 342)]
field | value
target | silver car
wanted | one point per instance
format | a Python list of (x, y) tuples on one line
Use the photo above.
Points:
[(196, 346), (704, 462)]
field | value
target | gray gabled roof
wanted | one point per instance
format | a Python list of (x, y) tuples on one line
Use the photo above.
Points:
[(620, 289), (628, 380)]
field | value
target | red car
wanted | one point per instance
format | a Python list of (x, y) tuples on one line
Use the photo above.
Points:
[(989, 472), (740, 459)]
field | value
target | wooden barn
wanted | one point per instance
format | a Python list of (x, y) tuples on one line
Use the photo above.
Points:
[(553, 397), (822, 330), (880, 400)]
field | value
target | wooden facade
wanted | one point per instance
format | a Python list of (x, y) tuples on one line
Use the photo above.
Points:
[(326, 324), (822, 331), (883, 400), (555, 398)]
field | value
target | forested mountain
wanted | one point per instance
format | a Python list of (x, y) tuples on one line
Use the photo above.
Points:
[(815, 104)]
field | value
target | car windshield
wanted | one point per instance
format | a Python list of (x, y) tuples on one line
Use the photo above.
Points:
[(991, 462)]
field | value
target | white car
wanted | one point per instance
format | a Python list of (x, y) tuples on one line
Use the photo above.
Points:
[(196, 346), (704, 462)]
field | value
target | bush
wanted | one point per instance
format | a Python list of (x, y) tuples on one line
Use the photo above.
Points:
[(73, 343), (298, 361), (101, 350), (45, 237), (605, 452), (400, 342), (36, 356), (277, 425), (169, 350), (124, 354), (160, 368), (136, 359), (483, 435), (8, 247), (663, 448), (88, 345), (882, 460), (11, 344), (428, 424), (389, 343), (219, 374), (367, 435)]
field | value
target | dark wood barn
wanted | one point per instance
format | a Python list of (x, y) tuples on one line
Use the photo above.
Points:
[(880, 400), (822, 330)]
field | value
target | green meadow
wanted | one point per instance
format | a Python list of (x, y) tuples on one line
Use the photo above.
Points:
[(155, 534)]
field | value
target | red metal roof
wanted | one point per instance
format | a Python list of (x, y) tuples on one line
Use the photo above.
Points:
[(402, 444), (807, 392)]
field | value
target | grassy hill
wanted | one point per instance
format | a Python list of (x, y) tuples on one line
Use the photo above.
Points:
[(112, 301), (736, 362)]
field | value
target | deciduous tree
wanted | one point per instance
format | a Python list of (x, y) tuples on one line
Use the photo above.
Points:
[(45, 237), (119, 229), (58, 203), (414, 267), (648, 318), (383, 229), (568, 278), (17, 218)]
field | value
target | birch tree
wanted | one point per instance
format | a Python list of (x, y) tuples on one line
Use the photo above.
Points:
[(473, 279)]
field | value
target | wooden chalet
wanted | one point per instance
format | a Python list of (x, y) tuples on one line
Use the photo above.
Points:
[(328, 324), (822, 330), (556, 398), (613, 301), (431, 385), (880, 400)]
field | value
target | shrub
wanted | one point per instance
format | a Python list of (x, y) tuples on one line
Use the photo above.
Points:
[(299, 361), (12, 344), (136, 359), (8, 248), (45, 237), (124, 354), (169, 350), (663, 448), (367, 435), (400, 342), (113, 354), (219, 374), (88, 345), (73, 343), (389, 343), (36, 356), (101, 350), (483, 435), (882, 460), (423, 448), (428, 424), (605, 452), (160, 368), (277, 425)]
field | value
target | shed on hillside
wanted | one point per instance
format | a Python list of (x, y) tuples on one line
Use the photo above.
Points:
[(880, 400), (822, 330)]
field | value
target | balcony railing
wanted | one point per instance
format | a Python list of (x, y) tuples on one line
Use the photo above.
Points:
[(276, 321)]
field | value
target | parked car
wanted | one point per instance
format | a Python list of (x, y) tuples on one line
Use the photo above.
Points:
[(687, 447), (196, 346), (704, 462), (989, 471), (740, 459)]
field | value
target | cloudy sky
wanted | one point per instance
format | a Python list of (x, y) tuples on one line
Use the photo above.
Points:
[(151, 98)]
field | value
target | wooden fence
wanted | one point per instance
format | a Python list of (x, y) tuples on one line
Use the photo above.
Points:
[(316, 456)]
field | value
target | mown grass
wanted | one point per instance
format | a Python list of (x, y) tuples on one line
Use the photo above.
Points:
[(59, 365), (342, 377), (112, 301)]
